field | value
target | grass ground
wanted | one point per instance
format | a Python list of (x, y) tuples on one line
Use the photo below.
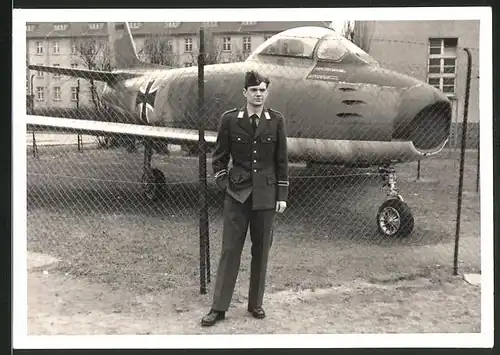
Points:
[(122, 258)]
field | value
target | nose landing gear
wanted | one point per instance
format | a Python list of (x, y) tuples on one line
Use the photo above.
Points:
[(394, 217)]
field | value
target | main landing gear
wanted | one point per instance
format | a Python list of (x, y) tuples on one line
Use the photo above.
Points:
[(153, 180), (394, 217)]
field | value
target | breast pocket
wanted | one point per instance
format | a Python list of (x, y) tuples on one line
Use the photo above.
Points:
[(268, 143), (240, 147)]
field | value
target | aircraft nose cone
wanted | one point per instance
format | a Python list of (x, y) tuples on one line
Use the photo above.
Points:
[(424, 118)]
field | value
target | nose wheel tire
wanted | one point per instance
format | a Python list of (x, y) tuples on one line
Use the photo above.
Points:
[(394, 219), (153, 182)]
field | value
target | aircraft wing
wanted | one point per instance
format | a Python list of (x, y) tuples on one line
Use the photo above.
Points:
[(172, 135), (98, 75)]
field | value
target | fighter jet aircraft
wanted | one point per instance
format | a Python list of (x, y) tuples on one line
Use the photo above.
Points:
[(340, 106)]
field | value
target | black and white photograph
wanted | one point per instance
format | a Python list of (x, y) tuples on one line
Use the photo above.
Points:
[(317, 179)]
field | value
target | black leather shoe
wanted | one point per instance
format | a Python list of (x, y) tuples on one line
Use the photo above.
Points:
[(212, 317), (258, 312)]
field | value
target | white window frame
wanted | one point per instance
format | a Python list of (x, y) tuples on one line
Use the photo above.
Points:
[(56, 93), (170, 46), (30, 28), (40, 93), (172, 24), (60, 26), (56, 48), (135, 24), (56, 75), (247, 44), (39, 47), (226, 44), (74, 48), (74, 93), (441, 75), (95, 25), (188, 45), (39, 74)]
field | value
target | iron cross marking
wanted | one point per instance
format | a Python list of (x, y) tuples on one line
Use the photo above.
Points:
[(144, 99)]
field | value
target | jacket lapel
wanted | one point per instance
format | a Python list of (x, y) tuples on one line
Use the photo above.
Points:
[(244, 122), (262, 122)]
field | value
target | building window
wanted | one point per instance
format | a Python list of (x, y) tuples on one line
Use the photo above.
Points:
[(188, 44), (441, 69), (30, 28), (135, 24), (172, 24), (210, 23), (74, 93), (39, 48), (60, 26), (95, 25), (188, 64), (170, 46), (57, 93), (249, 22), (226, 44), (56, 75), (267, 37), (74, 65), (55, 47), (74, 47), (247, 44), (40, 93), (39, 74)]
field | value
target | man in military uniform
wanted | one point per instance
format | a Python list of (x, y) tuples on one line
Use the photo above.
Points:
[(256, 187)]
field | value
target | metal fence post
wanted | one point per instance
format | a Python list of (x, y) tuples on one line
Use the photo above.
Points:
[(478, 160), (202, 162), (462, 158), (80, 141)]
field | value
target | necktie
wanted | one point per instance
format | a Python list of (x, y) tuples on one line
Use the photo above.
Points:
[(254, 122)]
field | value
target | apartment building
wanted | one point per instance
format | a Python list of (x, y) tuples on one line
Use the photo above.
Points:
[(432, 51), (85, 45)]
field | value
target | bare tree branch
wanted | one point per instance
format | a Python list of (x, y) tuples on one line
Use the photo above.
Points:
[(158, 50), (94, 55)]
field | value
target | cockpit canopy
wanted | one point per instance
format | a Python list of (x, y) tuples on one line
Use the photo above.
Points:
[(306, 42)]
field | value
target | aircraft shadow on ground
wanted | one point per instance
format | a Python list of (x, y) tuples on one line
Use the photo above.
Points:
[(339, 205)]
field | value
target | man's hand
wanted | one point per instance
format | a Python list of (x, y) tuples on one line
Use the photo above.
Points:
[(280, 206)]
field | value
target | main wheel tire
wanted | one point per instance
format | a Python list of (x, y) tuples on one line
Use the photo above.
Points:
[(394, 219), (153, 183)]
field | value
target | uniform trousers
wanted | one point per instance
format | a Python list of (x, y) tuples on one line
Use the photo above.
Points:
[(237, 218)]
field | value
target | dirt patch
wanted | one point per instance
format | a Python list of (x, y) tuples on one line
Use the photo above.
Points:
[(68, 306)]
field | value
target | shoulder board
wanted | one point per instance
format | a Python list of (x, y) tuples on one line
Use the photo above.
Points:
[(230, 111), (275, 111)]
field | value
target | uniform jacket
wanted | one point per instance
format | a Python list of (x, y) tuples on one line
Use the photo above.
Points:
[(259, 161)]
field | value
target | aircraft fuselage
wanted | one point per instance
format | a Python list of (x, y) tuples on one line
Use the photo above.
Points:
[(339, 114)]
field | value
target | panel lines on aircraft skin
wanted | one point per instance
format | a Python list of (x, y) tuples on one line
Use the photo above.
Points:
[(146, 98)]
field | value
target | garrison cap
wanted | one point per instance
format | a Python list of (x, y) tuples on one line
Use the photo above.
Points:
[(252, 78)]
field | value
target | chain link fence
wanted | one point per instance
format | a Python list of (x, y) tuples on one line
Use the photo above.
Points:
[(117, 214)]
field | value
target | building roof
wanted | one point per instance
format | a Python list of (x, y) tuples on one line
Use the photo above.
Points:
[(73, 29), (81, 29)]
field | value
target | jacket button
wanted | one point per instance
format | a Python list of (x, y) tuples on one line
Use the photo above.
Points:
[(254, 170), (255, 141), (255, 161), (255, 151)]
